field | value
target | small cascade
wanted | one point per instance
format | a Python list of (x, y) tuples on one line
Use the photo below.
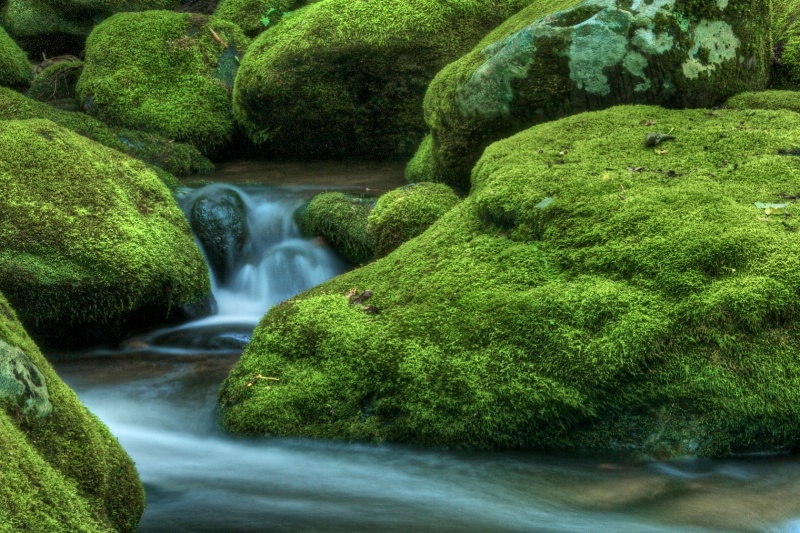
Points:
[(257, 258)]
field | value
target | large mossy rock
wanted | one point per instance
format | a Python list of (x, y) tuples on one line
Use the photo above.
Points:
[(175, 158), (62, 470), (15, 69), (592, 291), (166, 73), (92, 242), (785, 19), (677, 53), (340, 78)]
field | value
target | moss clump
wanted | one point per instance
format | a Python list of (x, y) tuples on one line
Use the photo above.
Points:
[(420, 168), (15, 69), (590, 292), (175, 158), (56, 82), (339, 78), (789, 100), (62, 472), (592, 56), (91, 237), (164, 72), (251, 15), (341, 220), (402, 214)]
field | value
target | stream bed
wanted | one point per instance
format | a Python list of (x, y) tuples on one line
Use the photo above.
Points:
[(157, 394)]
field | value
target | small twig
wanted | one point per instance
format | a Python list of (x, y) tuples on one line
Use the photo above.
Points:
[(217, 37)]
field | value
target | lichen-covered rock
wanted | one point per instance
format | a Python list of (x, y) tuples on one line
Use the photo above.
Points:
[(91, 241), (592, 291), (164, 72), (218, 217), (339, 78), (255, 16), (402, 214), (175, 158), (341, 219), (21, 382), (597, 54), (15, 69), (62, 470)]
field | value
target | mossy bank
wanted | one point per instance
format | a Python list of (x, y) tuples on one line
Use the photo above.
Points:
[(62, 470), (592, 291), (93, 241), (15, 69)]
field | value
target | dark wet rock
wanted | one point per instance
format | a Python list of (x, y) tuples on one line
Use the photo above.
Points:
[(219, 220)]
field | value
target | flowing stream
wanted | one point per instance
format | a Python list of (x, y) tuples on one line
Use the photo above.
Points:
[(157, 394)]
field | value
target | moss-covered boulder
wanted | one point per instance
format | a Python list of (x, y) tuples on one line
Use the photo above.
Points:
[(62, 471), (402, 214), (164, 72), (15, 69), (597, 54), (92, 241), (175, 158), (592, 291), (341, 219), (339, 78), (255, 16), (786, 44)]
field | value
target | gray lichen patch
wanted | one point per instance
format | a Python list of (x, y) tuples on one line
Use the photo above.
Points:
[(599, 43), (22, 382), (718, 40)]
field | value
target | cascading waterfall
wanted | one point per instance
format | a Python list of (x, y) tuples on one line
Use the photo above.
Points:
[(274, 262)]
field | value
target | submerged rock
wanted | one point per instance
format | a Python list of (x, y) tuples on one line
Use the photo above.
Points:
[(339, 78), (62, 470), (92, 241), (591, 292), (595, 55), (219, 220), (178, 82)]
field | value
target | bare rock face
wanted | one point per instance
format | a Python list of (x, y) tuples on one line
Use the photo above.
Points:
[(595, 55)]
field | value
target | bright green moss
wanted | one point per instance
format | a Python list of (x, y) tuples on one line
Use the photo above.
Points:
[(90, 235), (341, 220), (789, 100), (420, 168), (56, 82), (15, 69), (590, 292), (250, 14), (63, 472), (339, 78), (175, 158), (402, 214), (592, 56), (164, 73)]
